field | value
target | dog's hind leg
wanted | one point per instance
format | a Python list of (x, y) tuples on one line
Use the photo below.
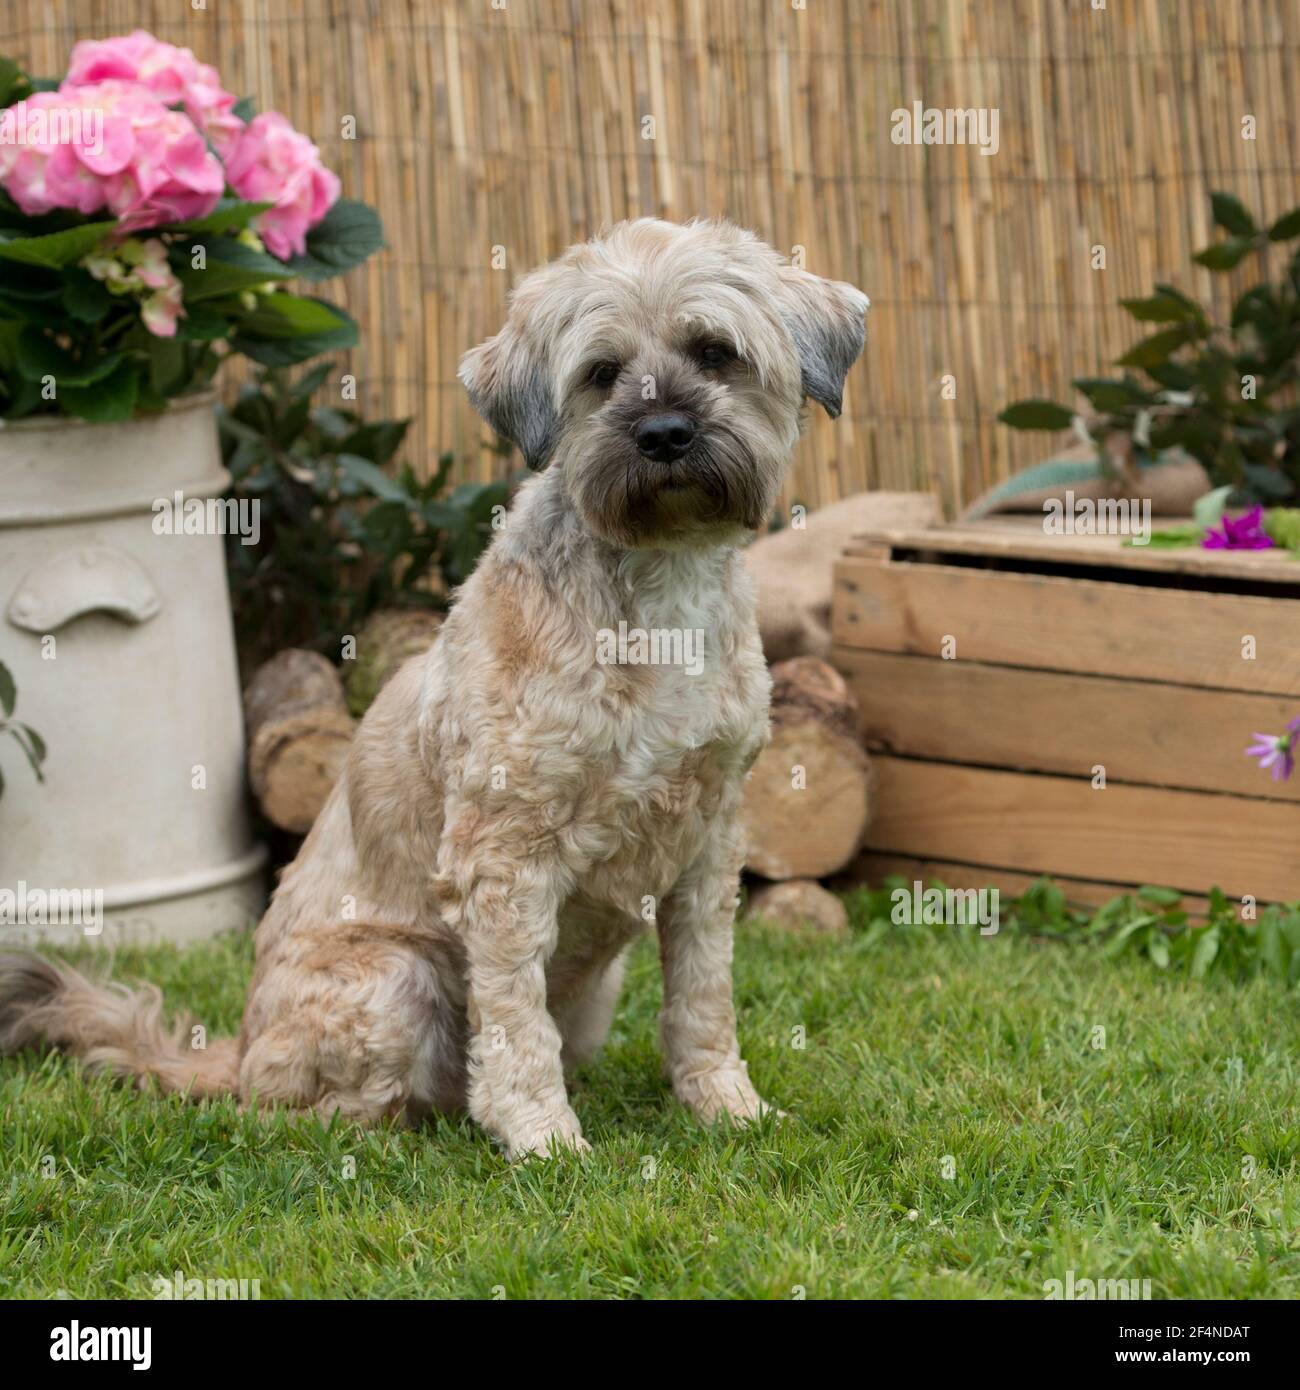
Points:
[(584, 1020), (366, 1031)]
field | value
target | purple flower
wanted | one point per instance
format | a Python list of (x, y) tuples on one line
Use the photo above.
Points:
[(1276, 751), (1245, 533)]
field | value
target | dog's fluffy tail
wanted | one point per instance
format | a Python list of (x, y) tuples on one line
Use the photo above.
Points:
[(109, 1027)]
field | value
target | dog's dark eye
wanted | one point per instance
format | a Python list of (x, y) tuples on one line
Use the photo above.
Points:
[(714, 355), (604, 373)]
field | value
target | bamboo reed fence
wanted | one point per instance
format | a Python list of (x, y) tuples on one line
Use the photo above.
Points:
[(491, 133)]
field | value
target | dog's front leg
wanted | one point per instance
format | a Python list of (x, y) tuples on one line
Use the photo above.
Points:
[(516, 1087), (698, 1022)]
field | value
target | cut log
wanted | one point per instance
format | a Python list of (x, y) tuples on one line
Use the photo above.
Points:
[(808, 797), (299, 733), (792, 567), (799, 906), (389, 637)]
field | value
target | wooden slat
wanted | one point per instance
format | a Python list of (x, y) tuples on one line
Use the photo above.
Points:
[(1090, 626), (1047, 721), (1041, 824), (872, 869), (1023, 537)]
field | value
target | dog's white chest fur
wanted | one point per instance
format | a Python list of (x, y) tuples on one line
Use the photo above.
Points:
[(691, 696)]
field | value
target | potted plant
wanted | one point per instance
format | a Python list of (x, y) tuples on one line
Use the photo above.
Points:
[(149, 224)]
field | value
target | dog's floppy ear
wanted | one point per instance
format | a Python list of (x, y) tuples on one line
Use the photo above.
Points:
[(826, 321), (511, 390)]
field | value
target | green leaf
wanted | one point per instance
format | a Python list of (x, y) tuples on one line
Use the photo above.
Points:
[(287, 351), (84, 297), (1173, 376), (1153, 350), (111, 399), (1107, 394), (230, 214), (283, 315), (244, 109), (373, 479), (55, 249), (36, 741), (1207, 947), (1230, 214), (1224, 255), (17, 732), (14, 82), (1163, 307), (310, 382), (1273, 948), (1208, 510), (202, 324), (1267, 481), (378, 441), (166, 366), (1054, 473), (1037, 414), (8, 691), (1162, 897), (1286, 226), (1258, 307), (1158, 948), (231, 266), (1116, 944), (348, 233), (1172, 537), (39, 356)]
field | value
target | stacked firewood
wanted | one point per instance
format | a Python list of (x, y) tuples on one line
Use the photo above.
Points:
[(299, 713), (807, 800)]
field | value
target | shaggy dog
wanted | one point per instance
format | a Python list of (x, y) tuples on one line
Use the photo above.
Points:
[(520, 802)]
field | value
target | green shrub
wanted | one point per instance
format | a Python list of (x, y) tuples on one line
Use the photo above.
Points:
[(1225, 393), (340, 534)]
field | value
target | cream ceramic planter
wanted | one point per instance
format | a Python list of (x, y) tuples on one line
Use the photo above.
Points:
[(121, 644)]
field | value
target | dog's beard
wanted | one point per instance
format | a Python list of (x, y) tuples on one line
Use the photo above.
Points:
[(718, 489)]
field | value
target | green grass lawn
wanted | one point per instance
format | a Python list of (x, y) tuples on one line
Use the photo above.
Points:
[(1128, 1161)]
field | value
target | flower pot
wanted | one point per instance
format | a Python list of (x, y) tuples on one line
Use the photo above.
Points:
[(120, 641)]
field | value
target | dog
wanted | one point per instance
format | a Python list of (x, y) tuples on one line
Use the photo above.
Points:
[(519, 804)]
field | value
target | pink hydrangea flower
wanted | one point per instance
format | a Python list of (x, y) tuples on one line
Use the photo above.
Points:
[(174, 75), (111, 145), (54, 151), (273, 163)]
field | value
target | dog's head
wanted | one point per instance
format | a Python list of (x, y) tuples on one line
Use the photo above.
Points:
[(662, 369)]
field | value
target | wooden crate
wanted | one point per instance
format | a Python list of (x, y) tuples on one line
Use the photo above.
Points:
[(1072, 653)]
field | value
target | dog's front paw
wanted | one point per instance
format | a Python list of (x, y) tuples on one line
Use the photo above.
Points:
[(562, 1135), (723, 1092)]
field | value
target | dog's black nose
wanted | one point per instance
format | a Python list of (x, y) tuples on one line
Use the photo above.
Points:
[(665, 437)]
